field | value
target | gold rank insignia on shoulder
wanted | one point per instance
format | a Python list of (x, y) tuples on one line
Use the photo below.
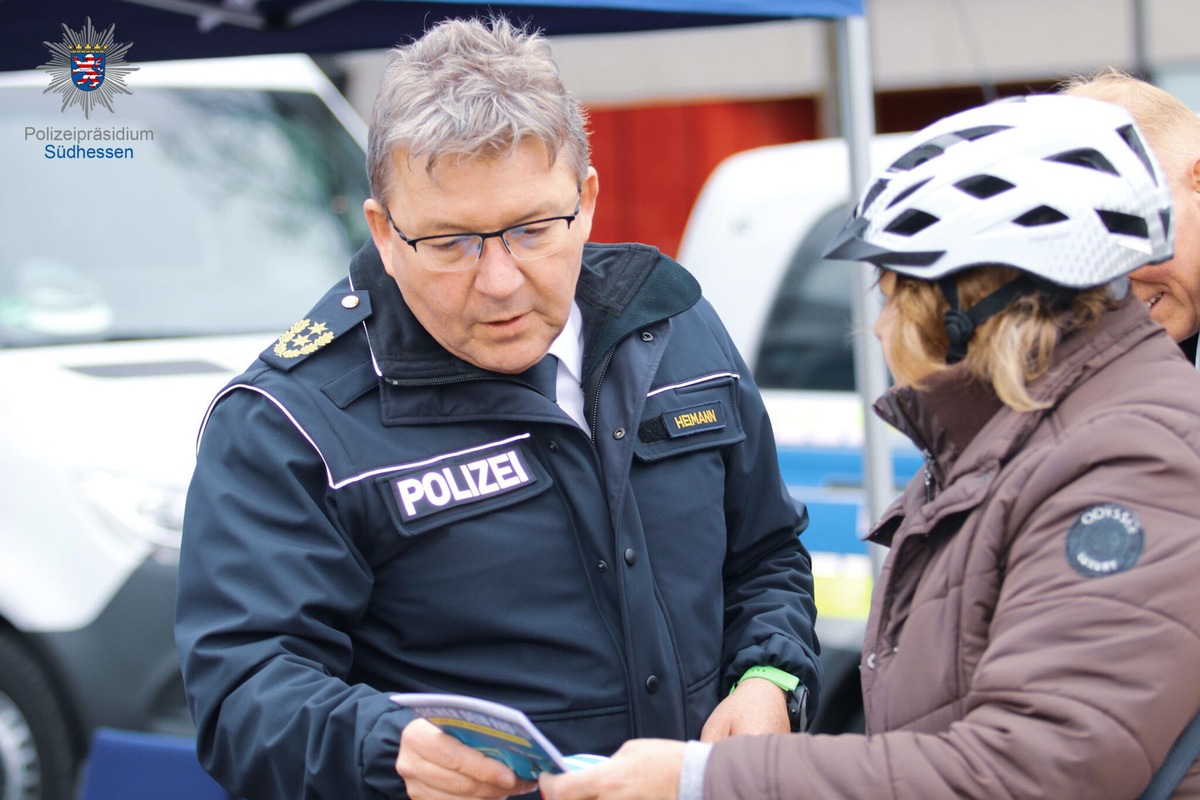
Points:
[(303, 338)]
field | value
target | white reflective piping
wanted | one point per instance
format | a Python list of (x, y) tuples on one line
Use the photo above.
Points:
[(427, 461), (280, 406), (694, 381), (371, 350), (364, 475)]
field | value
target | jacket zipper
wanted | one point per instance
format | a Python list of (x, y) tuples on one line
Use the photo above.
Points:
[(596, 392)]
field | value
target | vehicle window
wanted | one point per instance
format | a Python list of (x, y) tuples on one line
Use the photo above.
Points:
[(246, 205), (807, 342)]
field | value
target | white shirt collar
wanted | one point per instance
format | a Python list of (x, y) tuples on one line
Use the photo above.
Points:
[(568, 347)]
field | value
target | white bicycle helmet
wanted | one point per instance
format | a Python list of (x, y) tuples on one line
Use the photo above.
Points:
[(1060, 187)]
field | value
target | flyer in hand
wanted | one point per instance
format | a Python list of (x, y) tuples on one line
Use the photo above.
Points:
[(496, 730)]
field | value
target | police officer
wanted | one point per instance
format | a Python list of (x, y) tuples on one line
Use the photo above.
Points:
[(495, 460)]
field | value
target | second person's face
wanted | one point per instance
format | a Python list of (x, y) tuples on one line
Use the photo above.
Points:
[(904, 370), (885, 323), (1171, 289)]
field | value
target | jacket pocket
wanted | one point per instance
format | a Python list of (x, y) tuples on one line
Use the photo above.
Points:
[(694, 415), (453, 487)]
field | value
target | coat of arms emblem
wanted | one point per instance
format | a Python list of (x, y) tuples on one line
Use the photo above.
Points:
[(88, 67)]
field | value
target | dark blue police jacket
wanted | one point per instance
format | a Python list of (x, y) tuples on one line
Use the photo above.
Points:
[(370, 514)]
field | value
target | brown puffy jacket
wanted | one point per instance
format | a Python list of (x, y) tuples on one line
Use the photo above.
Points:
[(1035, 632)]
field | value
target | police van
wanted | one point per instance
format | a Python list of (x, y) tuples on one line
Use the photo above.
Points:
[(754, 240), (148, 254)]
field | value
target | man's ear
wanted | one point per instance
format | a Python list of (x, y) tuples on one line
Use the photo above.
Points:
[(587, 201), (377, 220), (1194, 176), (381, 230)]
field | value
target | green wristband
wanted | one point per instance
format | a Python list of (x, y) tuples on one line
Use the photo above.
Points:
[(784, 680)]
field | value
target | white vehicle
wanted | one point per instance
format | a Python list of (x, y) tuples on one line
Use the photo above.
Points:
[(131, 290), (754, 241)]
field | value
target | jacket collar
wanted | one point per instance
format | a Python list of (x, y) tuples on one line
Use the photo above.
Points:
[(621, 288), (964, 430), (944, 415)]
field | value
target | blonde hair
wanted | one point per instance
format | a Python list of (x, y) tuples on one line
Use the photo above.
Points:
[(1172, 128), (1009, 350)]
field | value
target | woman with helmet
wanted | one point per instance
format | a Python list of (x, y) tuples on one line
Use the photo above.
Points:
[(1035, 630)]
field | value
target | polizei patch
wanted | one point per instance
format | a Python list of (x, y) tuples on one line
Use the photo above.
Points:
[(455, 481), (1105, 540)]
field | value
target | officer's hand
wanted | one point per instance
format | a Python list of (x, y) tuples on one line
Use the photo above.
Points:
[(756, 706), (643, 769), (436, 766)]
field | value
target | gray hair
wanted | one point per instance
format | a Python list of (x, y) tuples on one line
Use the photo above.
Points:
[(471, 89)]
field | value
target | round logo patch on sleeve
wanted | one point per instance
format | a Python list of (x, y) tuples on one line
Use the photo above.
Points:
[(1105, 540)]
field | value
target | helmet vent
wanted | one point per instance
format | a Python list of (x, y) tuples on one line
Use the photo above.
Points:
[(1130, 135), (1165, 215), (1042, 215), (971, 134), (918, 156), (1085, 157), (982, 187), (1126, 224), (907, 192), (911, 222), (874, 192)]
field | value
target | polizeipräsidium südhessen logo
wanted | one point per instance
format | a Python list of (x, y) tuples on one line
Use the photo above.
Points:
[(88, 68)]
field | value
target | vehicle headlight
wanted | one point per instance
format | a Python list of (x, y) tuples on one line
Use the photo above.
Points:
[(151, 512)]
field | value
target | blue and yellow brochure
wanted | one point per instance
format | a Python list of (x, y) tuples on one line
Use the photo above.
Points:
[(496, 730)]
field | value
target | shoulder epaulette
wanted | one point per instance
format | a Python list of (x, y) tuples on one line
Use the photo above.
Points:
[(337, 313)]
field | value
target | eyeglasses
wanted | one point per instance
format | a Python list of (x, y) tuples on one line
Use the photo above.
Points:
[(528, 241)]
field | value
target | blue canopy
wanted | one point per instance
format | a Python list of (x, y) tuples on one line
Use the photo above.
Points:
[(170, 29)]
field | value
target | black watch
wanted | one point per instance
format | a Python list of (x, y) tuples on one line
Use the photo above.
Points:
[(797, 708)]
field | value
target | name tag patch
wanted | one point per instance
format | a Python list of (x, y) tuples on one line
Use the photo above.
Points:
[(694, 419), (460, 480), (1104, 540)]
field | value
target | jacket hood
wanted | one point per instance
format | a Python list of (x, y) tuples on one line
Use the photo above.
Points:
[(621, 287)]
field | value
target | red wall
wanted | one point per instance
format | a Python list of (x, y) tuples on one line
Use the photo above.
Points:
[(652, 161)]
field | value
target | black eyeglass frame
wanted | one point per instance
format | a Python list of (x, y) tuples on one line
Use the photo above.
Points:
[(483, 237)]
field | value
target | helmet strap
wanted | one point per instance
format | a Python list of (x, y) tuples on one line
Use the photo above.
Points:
[(960, 325)]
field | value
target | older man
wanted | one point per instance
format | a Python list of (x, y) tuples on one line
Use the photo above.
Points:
[(495, 461), (1170, 289)]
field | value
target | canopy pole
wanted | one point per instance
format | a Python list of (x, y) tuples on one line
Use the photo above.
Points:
[(857, 113), (1141, 48)]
